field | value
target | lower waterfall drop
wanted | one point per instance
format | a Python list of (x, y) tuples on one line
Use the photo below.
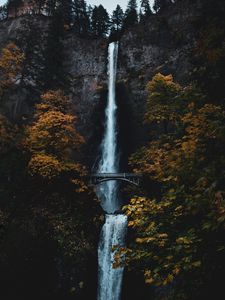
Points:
[(115, 227)]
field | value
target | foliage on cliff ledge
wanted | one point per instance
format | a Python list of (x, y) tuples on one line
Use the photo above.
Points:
[(179, 233), (11, 60)]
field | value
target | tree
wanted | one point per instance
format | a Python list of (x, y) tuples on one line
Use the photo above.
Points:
[(13, 5), (117, 18), (179, 230), (53, 75), (99, 21), (52, 138), (50, 7), (131, 16), (145, 11), (160, 5), (65, 6), (31, 42), (11, 62), (81, 18), (3, 12), (163, 101), (116, 24), (7, 135)]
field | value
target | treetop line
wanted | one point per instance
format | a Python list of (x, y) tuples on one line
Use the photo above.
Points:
[(85, 19)]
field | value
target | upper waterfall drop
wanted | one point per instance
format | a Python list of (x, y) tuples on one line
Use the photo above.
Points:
[(115, 227), (109, 163)]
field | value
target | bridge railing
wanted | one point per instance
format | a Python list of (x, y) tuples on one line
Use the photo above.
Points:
[(115, 175)]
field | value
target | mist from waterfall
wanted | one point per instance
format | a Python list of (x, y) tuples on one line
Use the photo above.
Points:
[(114, 230)]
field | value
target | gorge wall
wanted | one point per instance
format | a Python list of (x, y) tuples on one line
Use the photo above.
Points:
[(164, 44)]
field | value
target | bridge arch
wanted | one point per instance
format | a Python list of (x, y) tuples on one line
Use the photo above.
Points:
[(133, 179)]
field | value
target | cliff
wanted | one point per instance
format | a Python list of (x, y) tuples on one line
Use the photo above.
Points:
[(164, 44)]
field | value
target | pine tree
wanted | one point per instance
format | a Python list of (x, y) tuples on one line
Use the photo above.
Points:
[(100, 21), (31, 41), (131, 16), (160, 5), (117, 18), (53, 72), (66, 10), (50, 7), (116, 24), (40, 5), (3, 12), (13, 5), (145, 11), (81, 18)]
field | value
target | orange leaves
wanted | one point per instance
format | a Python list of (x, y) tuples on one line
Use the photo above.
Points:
[(188, 163), (54, 100), (46, 166), (54, 131), (162, 103), (52, 139), (11, 61)]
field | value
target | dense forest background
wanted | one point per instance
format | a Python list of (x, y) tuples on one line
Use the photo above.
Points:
[(49, 216)]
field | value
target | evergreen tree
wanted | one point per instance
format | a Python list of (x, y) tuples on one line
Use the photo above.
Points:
[(38, 6), (100, 21), (53, 72), (145, 11), (131, 16), (117, 18), (116, 23), (13, 5), (81, 18), (160, 5), (66, 10), (50, 7), (30, 40), (3, 12)]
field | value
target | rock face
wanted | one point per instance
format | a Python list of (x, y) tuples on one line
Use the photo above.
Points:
[(86, 62), (164, 44)]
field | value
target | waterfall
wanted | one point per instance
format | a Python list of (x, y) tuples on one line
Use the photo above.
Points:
[(108, 192), (114, 230)]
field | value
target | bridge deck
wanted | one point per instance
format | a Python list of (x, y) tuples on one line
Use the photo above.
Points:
[(131, 178), (115, 175)]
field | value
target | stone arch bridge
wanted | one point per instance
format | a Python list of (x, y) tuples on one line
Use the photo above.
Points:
[(130, 178)]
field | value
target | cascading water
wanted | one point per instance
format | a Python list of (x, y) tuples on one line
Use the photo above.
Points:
[(114, 229)]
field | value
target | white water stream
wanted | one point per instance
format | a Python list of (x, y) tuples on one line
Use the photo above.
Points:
[(114, 229)]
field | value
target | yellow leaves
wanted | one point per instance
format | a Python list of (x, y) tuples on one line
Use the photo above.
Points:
[(145, 240), (169, 279), (52, 138), (54, 100), (189, 146), (183, 241), (10, 64), (197, 264), (45, 166), (160, 82), (168, 232), (162, 101), (131, 223), (53, 129), (176, 271), (149, 280)]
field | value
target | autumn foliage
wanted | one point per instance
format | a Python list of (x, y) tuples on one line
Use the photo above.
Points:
[(11, 61), (179, 230), (53, 139)]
